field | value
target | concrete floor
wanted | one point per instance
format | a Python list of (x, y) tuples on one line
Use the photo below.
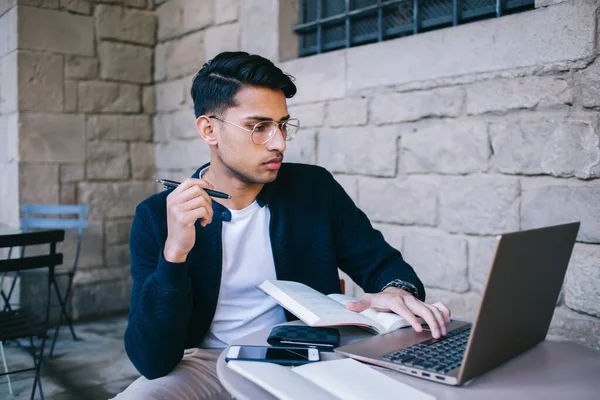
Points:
[(93, 368)]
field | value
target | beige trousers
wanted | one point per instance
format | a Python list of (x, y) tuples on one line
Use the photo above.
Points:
[(194, 378)]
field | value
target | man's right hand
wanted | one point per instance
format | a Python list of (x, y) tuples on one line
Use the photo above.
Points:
[(185, 205)]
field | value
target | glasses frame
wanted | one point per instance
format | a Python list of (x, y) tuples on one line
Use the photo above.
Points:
[(279, 126)]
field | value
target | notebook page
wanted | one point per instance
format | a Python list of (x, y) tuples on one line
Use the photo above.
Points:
[(280, 381), (349, 379)]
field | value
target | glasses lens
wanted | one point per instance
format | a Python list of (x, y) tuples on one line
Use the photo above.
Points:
[(290, 129), (263, 131)]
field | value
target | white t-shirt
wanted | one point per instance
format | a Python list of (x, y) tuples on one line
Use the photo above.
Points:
[(247, 262)]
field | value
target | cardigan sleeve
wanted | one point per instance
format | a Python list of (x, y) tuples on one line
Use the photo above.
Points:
[(361, 250), (161, 303)]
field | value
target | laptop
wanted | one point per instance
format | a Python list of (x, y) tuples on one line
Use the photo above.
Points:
[(516, 308)]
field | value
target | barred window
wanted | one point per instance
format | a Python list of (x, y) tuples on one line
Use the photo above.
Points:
[(327, 25)]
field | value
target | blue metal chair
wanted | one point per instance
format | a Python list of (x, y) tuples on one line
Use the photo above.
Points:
[(64, 216)]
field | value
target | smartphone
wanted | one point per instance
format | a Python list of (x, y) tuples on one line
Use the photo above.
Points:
[(277, 355)]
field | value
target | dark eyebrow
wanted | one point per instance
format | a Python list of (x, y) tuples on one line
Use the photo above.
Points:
[(259, 118)]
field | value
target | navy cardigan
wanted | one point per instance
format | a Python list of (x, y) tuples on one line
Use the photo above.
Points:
[(315, 228)]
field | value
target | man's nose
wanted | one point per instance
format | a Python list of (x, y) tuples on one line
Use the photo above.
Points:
[(277, 142)]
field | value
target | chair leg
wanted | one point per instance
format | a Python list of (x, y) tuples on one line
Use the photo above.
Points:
[(37, 382), (63, 309), (10, 389)]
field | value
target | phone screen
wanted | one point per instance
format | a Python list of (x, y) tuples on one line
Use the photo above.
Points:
[(272, 353)]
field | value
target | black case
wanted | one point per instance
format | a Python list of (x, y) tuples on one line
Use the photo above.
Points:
[(305, 336)]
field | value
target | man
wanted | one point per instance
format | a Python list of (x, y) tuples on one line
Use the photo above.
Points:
[(195, 262)]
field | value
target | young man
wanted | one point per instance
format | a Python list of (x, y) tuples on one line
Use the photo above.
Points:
[(195, 261)]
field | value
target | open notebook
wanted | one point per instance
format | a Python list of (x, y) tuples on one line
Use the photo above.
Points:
[(345, 379), (316, 309)]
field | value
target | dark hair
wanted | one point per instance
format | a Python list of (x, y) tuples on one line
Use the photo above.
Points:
[(218, 81)]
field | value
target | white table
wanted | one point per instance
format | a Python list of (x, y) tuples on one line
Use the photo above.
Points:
[(552, 370)]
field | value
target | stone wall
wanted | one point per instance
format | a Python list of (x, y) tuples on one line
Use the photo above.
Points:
[(84, 97), (445, 139)]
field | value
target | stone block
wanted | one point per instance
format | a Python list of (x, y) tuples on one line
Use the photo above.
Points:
[(38, 183), (117, 255), (547, 144), (177, 17), (196, 14), (347, 112), (576, 327), (227, 11), (449, 147), (98, 299), (412, 106), (221, 38), (590, 85), (125, 62), (9, 84), (108, 97), (37, 31), (119, 127), (53, 138), (170, 95), (77, 67), (40, 82), (77, 6), (49, 4), (71, 90), (68, 193), (552, 202), (148, 100), (117, 231), (180, 154), (439, 260), (180, 124), (181, 57), (92, 247), (461, 305), (259, 20), (393, 234), (368, 151), (6, 5), (481, 255), (318, 78), (404, 201), (503, 95), (107, 160), (9, 134), (70, 173), (310, 115), (303, 149), (8, 28), (125, 24), (350, 185), (142, 160), (582, 292), (480, 205), (114, 200), (493, 45)]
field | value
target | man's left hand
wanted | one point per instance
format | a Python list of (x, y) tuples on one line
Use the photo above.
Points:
[(399, 301)]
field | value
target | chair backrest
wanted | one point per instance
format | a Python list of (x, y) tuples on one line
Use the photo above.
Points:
[(77, 221), (46, 260), (72, 216)]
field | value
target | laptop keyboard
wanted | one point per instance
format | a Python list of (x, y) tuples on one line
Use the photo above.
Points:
[(437, 355)]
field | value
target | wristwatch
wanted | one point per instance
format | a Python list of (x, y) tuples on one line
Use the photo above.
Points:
[(406, 286)]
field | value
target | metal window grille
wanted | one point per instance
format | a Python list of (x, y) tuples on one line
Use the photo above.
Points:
[(327, 25)]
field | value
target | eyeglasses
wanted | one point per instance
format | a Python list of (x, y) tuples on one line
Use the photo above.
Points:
[(264, 131)]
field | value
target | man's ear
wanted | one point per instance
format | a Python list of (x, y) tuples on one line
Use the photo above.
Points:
[(205, 128)]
